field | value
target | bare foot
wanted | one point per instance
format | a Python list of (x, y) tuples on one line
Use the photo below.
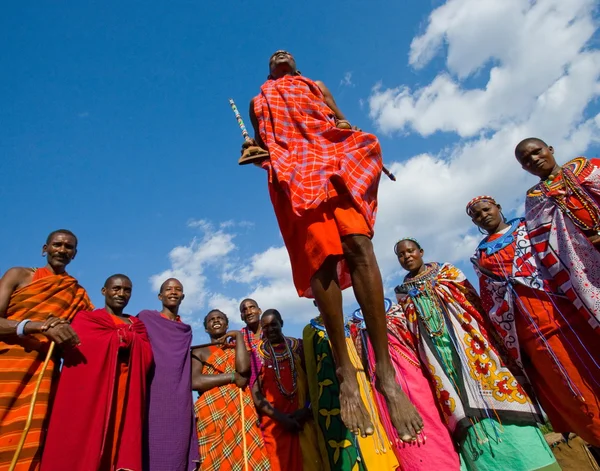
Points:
[(352, 409), (405, 418)]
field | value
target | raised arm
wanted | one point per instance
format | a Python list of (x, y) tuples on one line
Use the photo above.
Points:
[(242, 359), (203, 382)]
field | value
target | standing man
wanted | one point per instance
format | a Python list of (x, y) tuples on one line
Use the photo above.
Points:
[(36, 305), (98, 416), (250, 314), (228, 433), (171, 443), (562, 214), (323, 179)]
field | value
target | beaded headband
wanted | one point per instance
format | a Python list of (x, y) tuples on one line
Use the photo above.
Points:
[(402, 240), (479, 199)]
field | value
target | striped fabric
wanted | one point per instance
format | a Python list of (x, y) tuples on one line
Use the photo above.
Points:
[(21, 360), (219, 422), (562, 247), (311, 159)]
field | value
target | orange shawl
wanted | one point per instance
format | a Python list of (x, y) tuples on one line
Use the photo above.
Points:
[(21, 361)]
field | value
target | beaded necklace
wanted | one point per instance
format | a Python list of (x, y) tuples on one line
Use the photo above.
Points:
[(421, 289), (491, 247), (569, 186), (270, 355)]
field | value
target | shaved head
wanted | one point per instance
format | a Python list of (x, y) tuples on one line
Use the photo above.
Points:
[(114, 277), (166, 282), (530, 140)]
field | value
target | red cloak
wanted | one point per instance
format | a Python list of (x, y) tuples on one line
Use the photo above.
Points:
[(79, 422)]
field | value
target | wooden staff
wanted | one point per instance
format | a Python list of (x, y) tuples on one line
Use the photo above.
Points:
[(21, 443), (245, 445)]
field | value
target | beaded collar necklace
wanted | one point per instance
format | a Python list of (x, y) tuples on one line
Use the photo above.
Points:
[(504, 240), (269, 354)]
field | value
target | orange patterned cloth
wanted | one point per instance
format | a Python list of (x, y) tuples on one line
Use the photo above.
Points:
[(219, 424), (21, 361), (323, 180)]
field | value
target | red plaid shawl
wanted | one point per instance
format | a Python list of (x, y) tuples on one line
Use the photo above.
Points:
[(311, 159), (220, 422)]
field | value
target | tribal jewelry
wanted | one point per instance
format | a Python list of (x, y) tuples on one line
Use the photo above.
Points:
[(270, 355), (421, 289)]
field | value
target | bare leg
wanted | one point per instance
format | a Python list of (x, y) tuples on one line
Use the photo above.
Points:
[(326, 289), (368, 288)]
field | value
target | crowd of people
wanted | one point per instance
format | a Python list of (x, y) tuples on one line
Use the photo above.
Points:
[(446, 377)]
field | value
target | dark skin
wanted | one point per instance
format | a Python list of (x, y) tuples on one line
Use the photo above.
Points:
[(250, 313), (368, 289), (59, 252), (117, 293), (410, 257), (293, 423), (537, 158), (171, 295), (488, 216), (216, 328)]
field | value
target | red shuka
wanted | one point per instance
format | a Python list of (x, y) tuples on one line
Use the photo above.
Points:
[(79, 435)]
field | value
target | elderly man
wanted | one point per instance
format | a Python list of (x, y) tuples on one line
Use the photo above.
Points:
[(36, 305)]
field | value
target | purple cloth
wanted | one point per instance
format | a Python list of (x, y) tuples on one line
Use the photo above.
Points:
[(172, 443)]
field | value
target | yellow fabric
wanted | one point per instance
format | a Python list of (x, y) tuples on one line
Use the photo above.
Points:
[(376, 449), (311, 456), (313, 392)]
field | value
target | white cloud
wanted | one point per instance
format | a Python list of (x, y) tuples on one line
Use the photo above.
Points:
[(347, 80), (529, 45), (540, 77), (189, 264)]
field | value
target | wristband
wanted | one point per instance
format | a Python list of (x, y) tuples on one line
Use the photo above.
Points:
[(21, 327), (232, 377)]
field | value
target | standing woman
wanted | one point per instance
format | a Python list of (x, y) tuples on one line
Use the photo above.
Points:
[(280, 394), (490, 416), (543, 331)]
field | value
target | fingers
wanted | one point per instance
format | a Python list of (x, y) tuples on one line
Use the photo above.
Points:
[(63, 334), (52, 322)]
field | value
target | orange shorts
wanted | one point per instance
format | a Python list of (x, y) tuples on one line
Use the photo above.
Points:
[(316, 235)]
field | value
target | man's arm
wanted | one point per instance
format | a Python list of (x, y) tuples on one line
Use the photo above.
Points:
[(202, 382), (329, 101), (242, 359), (57, 330), (254, 121), (264, 407)]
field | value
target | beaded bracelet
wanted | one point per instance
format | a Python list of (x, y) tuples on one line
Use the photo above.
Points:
[(232, 377)]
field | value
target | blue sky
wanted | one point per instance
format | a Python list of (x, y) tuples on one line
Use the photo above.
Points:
[(116, 125)]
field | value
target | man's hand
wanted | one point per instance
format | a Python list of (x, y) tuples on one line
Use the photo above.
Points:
[(289, 423), (52, 322), (63, 334), (240, 381), (302, 416), (250, 143), (232, 336)]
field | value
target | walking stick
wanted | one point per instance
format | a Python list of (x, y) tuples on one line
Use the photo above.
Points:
[(21, 443), (245, 445), (251, 154)]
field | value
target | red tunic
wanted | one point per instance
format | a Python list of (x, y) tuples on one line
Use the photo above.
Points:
[(567, 336), (323, 180)]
